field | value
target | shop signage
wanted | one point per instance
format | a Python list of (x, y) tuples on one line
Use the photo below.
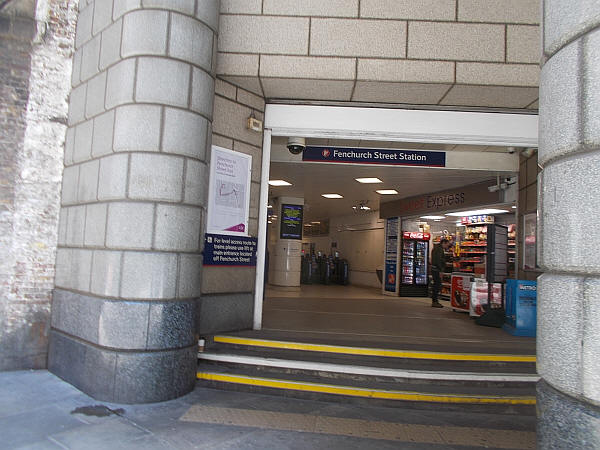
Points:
[(437, 202), (227, 250), (474, 220), (228, 192), (347, 155), (416, 235)]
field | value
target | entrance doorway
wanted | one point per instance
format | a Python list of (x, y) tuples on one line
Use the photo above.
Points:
[(336, 334), (339, 292)]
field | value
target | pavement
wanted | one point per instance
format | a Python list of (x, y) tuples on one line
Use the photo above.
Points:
[(40, 411)]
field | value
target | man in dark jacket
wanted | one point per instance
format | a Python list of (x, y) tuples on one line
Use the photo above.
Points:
[(438, 266)]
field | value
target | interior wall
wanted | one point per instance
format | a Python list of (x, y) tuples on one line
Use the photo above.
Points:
[(359, 238)]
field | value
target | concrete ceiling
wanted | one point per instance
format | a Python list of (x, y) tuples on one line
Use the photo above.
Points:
[(390, 93)]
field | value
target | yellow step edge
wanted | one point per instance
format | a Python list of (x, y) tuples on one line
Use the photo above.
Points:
[(364, 392), (372, 351)]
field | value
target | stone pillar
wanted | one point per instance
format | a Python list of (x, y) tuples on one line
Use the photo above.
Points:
[(569, 292), (128, 266)]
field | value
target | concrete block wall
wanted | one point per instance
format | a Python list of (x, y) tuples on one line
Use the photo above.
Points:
[(445, 52), (227, 301), (35, 64), (568, 314), (128, 267)]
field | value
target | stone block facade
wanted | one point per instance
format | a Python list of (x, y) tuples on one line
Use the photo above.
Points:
[(227, 300), (128, 266), (569, 188), (450, 53)]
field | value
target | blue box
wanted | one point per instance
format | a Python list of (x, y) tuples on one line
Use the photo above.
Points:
[(521, 307)]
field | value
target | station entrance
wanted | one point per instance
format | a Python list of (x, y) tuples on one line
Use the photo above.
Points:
[(338, 309), (325, 271)]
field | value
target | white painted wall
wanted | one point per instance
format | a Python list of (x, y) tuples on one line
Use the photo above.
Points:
[(360, 240)]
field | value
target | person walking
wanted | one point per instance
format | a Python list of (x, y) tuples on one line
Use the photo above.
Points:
[(438, 266)]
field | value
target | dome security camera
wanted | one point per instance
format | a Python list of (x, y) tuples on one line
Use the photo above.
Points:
[(296, 145)]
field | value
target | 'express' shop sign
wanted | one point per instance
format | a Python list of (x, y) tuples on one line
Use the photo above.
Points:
[(374, 156)]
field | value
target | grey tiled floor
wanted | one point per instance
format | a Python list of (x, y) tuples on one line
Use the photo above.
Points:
[(36, 412)]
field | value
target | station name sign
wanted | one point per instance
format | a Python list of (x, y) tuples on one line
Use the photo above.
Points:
[(347, 155)]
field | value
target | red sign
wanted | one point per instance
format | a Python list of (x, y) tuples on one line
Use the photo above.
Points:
[(416, 235), (460, 292)]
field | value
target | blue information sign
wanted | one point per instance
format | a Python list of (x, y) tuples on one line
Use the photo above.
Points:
[(391, 253), (374, 156), (390, 276), (227, 250)]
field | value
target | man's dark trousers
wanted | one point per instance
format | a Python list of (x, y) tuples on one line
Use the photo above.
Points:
[(437, 285)]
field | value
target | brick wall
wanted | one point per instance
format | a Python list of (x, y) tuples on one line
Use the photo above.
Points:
[(35, 63), (468, 53)]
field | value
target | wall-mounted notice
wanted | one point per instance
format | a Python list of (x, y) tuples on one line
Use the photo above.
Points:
[(529, 242), (291, 222), (227, 250), (228, 192), (391, 253)]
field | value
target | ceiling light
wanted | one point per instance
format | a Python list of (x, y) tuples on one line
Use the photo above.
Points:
[(279, 183), (332, 196), (437, 220), (513, 207), (368, 180), (316, 223), (387, 191), (433, 217), (268, 221), (477, 212), (270, 206)]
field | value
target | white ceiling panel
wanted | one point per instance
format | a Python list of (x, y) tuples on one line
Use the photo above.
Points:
[(310, 180)]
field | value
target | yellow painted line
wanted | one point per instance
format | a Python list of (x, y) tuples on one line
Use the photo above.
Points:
[(364, 392), (372, 351)]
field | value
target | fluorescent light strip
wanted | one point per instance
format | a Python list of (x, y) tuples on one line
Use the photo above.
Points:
[(477, 212), (279, 183), (387, 191), (368, 180), (332, 196), (433, 217)]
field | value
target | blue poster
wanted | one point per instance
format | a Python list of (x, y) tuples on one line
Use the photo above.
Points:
[(390, 276), (227, 250), (374, 156)]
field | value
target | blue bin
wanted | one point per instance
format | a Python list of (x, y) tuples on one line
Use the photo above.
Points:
[(521, 307)]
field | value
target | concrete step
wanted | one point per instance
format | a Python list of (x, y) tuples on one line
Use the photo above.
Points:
[(411, 359), (371, 375), (388, 391)]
